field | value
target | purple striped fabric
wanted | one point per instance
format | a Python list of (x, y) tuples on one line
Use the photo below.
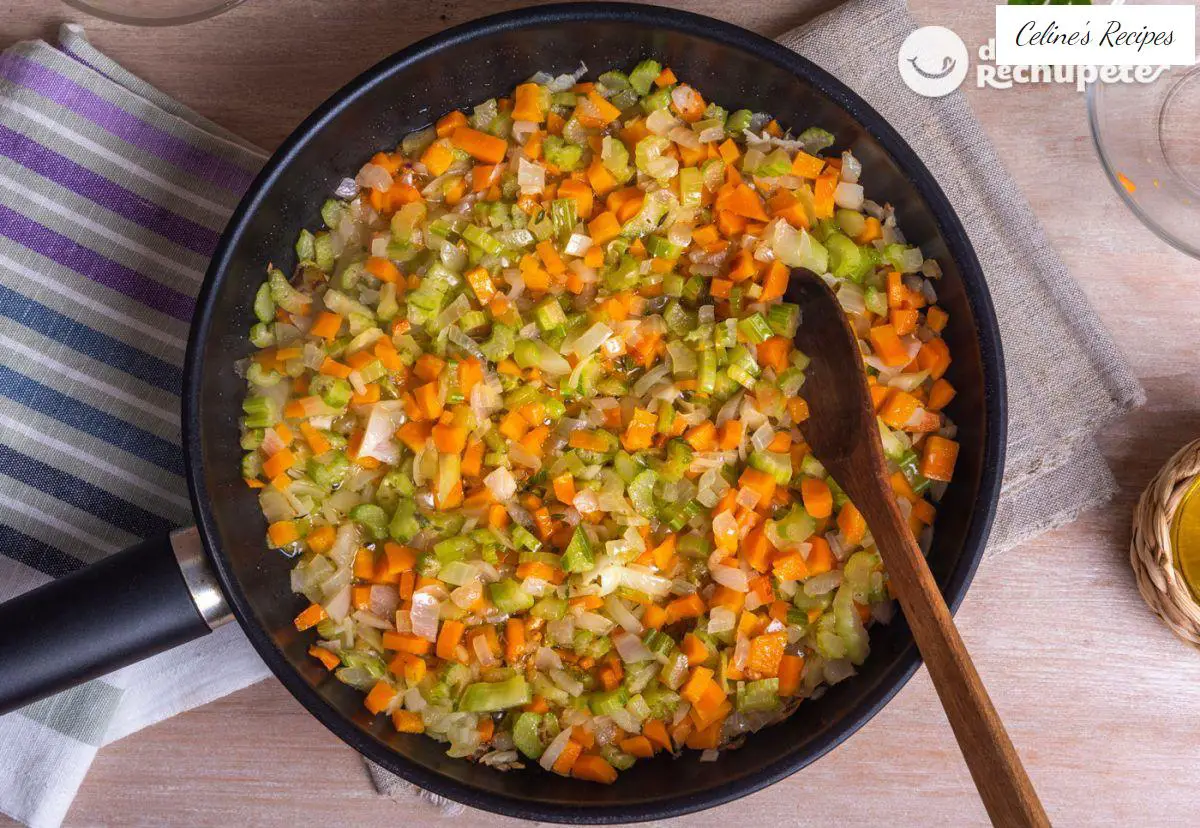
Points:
[(58, 248), (96, 188), (87, 104)]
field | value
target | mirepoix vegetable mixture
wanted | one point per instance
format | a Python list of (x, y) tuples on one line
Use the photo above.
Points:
[(526, 414)]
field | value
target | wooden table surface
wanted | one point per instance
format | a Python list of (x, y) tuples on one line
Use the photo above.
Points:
[(1100, 699)]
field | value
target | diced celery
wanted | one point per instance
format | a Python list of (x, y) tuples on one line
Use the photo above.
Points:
[(643, 75), (560, 153), (261, 412), (609, 701), (264, 305), (778, 464), (508, 596), (816, 140), (758, 695), (404, 525), (784, 319), (490, 697), (578, 556), (738, 121), (641, 493), (549, 608), (526, 735), (755, 328)]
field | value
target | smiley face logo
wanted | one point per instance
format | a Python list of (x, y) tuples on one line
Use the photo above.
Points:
[(933, 61)]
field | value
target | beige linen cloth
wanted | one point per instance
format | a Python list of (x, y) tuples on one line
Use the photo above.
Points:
[(1066, 377)]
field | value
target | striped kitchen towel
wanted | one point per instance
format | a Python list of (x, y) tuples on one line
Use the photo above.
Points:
[(112, 197)]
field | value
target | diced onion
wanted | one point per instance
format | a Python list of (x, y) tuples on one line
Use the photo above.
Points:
[(501, 484), (733, 578), (849, 196), (555, 749), (482, 651), (424, 615), (631, 648), (547, 660), (564, 681), (721, 619)]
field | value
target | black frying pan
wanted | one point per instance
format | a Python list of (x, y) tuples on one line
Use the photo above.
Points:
[(169, 590)]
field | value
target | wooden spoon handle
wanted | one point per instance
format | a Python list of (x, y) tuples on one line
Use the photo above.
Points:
[(999, 775)]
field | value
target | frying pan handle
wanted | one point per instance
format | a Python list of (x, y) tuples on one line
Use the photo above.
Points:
[(146, 599)]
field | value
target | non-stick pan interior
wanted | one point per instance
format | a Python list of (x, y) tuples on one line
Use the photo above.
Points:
[(458, 70)]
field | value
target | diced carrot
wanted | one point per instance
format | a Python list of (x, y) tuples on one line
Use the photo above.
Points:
[(328, 658), (414, 435), (765, 653), (406, 721), (438, 157), (936, 319), (427, 401), (320, 540), (553, 262), (729, 151), (728, 598), (314, 614), (448, 123), (581, 194), (871, 231), (448, 640), (823, 191), (887, 345), (406, 643), (807, 166), (656, 732), (593, 768), (694, 649), (702, 436), (429, 367), (449, 439), (904, 320), (282, 532), (940, 395), (851, 524), (654, 617), (333, 368), (479, 145), (381, 696), (898, 408), (820, 556), (398, 558), (934, 357), (790, 567), (689, 606), (327, 325), (638, 746), (599, 176), (938, 458), (604, 228), (567, 759), (527, 103), (924, 511), (698, 682), (730, 434), (382, 269), (790, 669), (818, 500), (743, 201)]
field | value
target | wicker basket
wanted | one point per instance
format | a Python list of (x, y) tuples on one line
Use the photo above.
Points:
[(1151, 552)]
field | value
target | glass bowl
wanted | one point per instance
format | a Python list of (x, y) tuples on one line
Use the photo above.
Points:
[(154, 12), (1147, 137)]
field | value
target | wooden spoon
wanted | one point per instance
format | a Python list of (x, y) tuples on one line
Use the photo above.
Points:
[(844, 435)]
